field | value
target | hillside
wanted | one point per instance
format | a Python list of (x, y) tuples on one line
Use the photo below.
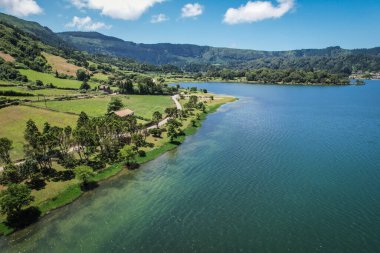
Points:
[(190, 57), (193, 58), (35, 29)]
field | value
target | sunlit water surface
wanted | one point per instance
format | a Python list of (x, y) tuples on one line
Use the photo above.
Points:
[(284, 169)]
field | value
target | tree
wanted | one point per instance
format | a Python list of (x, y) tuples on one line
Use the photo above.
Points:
[(201, 106), (128, 155), (5, 148), (84, 173), (92, 67), (10, 175), (172, 112), (39, 83), (193, 100), (29, 171), (173, 129), (138, 140), (85, 140), (14, 198), (126, 87), (157, 117), (115, 105), (82, 75), (85, 85), (156, 132), (39, 145), (82, 120)]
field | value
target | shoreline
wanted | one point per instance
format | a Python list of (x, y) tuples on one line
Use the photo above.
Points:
[(259, 83), (74, 192)]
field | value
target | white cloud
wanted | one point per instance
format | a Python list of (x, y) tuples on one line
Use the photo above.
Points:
[(79, 3), (21, 8), (118, 9), (159, 18), (86, 24), (192, 10), (257, 11)]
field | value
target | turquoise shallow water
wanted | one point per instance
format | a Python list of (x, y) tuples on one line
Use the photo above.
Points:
[(284, 169)]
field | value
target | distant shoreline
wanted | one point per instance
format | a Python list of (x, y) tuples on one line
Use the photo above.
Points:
[(260, 83)]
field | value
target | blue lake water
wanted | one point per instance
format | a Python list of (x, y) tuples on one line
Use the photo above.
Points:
[(284, 169)]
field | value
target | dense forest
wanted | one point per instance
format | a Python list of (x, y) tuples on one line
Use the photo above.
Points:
[(288, 76)]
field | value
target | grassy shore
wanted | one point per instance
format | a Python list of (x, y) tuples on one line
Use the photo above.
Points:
[(72, 190)]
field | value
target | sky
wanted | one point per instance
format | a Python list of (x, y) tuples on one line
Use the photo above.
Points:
[(261, 25)]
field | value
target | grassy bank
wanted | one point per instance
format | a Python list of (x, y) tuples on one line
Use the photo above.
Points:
[(73, 190)]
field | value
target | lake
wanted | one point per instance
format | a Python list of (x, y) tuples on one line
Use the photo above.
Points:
[(284, 169)]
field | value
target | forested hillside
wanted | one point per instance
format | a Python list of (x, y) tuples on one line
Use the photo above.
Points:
[(194, 58)]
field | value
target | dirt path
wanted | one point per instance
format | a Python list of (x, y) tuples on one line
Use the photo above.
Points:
[(165, 121)]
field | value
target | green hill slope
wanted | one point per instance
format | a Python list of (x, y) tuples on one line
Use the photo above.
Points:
[(190, 57), (35, 29)]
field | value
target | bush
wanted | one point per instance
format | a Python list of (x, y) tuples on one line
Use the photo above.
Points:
[(11, 93)]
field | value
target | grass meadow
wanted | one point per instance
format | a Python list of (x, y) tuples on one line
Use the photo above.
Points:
[(142, 105), (13, 121), (50, 78)]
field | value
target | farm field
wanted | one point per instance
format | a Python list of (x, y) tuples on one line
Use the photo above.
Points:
[(61, 65), (142, 105), (45, 92), (10, 83), (6, 57), (13, 121), (49, 78), (100, 77)]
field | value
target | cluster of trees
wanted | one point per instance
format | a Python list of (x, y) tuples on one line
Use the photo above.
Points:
[(11, 93), (9, 72), (344, 63), (23, 47), (267, 75), (193, 103), (144, 85), (295, 76)]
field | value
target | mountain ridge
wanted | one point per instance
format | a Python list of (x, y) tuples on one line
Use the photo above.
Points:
[(194, 58)]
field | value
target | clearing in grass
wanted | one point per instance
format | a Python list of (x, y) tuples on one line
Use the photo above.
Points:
[(61, 65), (6, 57), (100, 77)]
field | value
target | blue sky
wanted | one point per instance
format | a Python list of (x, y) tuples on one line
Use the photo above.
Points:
[(262, 25)]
